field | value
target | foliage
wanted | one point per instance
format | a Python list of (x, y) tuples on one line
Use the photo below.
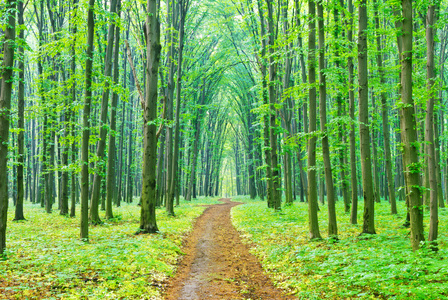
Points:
[(380, 266), (46, 259)]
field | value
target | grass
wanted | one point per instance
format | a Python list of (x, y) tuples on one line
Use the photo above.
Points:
[(380, 266), (46, 259)]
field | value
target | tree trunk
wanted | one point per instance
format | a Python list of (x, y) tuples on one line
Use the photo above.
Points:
[(351, 96), (341, 113), (130, 185), (197, 125), (86, 125), (332, 224), (169, 93), (21, 126), (408, 127), (5, 107), (312, 180), (429, 124), (111, 158), (276, 179), (366, 163), (266, 128), (385, 117), (101, 145), (183, 8), (73, 99), (148, 222)]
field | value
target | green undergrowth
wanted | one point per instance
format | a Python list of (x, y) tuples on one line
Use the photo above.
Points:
[(46, 259), (380, 266)]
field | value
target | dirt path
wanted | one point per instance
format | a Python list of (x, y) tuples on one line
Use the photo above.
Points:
[(217, 265)]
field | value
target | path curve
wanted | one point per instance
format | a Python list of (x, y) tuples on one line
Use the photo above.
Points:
[(217, 264)]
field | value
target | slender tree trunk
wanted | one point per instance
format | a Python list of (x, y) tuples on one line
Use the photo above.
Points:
[(73, 99), (408, 127), (374, 142), (429, 124), (111, 158), (120, 143), (312, 180), (148, 222), (197, 122), (385, 117), (332, 224), (341, 113), (266, 128), (86, 125), (169, 93), (130, 184), (183, 8), (5, 106), (351, 96), (366, 163), (21, 110), (276, 180), (101, 146)]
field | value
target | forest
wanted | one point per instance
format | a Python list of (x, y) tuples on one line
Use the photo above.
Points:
[(122, 123)]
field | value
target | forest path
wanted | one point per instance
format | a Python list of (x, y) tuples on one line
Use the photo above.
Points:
[(217, 264)]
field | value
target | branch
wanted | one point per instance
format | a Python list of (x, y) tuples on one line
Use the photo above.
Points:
[(159, 131), (142, 98)]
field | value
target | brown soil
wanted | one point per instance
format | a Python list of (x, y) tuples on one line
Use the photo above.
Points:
[(217, 265)]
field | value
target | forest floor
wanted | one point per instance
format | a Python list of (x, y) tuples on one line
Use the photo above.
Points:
[(217, 264)]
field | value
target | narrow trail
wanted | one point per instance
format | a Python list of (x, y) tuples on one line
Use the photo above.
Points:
[(217, 264)]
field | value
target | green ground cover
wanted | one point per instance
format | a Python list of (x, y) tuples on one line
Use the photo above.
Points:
[(46, 259), (380, 266)]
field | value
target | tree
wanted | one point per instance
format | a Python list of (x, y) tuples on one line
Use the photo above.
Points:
[(312, 180), (86, 125), (101, 145), (332, 225), (21, 110), (6, 72), (363, 92), (351, 97), (276, 180), (408, 129), (111, 158), (148, 222), (183, 9), (385, 116), (429, 125)]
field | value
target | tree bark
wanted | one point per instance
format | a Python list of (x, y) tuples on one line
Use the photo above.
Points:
[(332, 223), (101, 145), (169, 93), (148, 222), (341, 113), (408, 128), (111, 158), (385, 117), (366, 163), (429, 126), (5, 109), (86, 125), (351, 96), (183, 8), (276, 180), (21, 126), (266, 128), (312, 180)]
